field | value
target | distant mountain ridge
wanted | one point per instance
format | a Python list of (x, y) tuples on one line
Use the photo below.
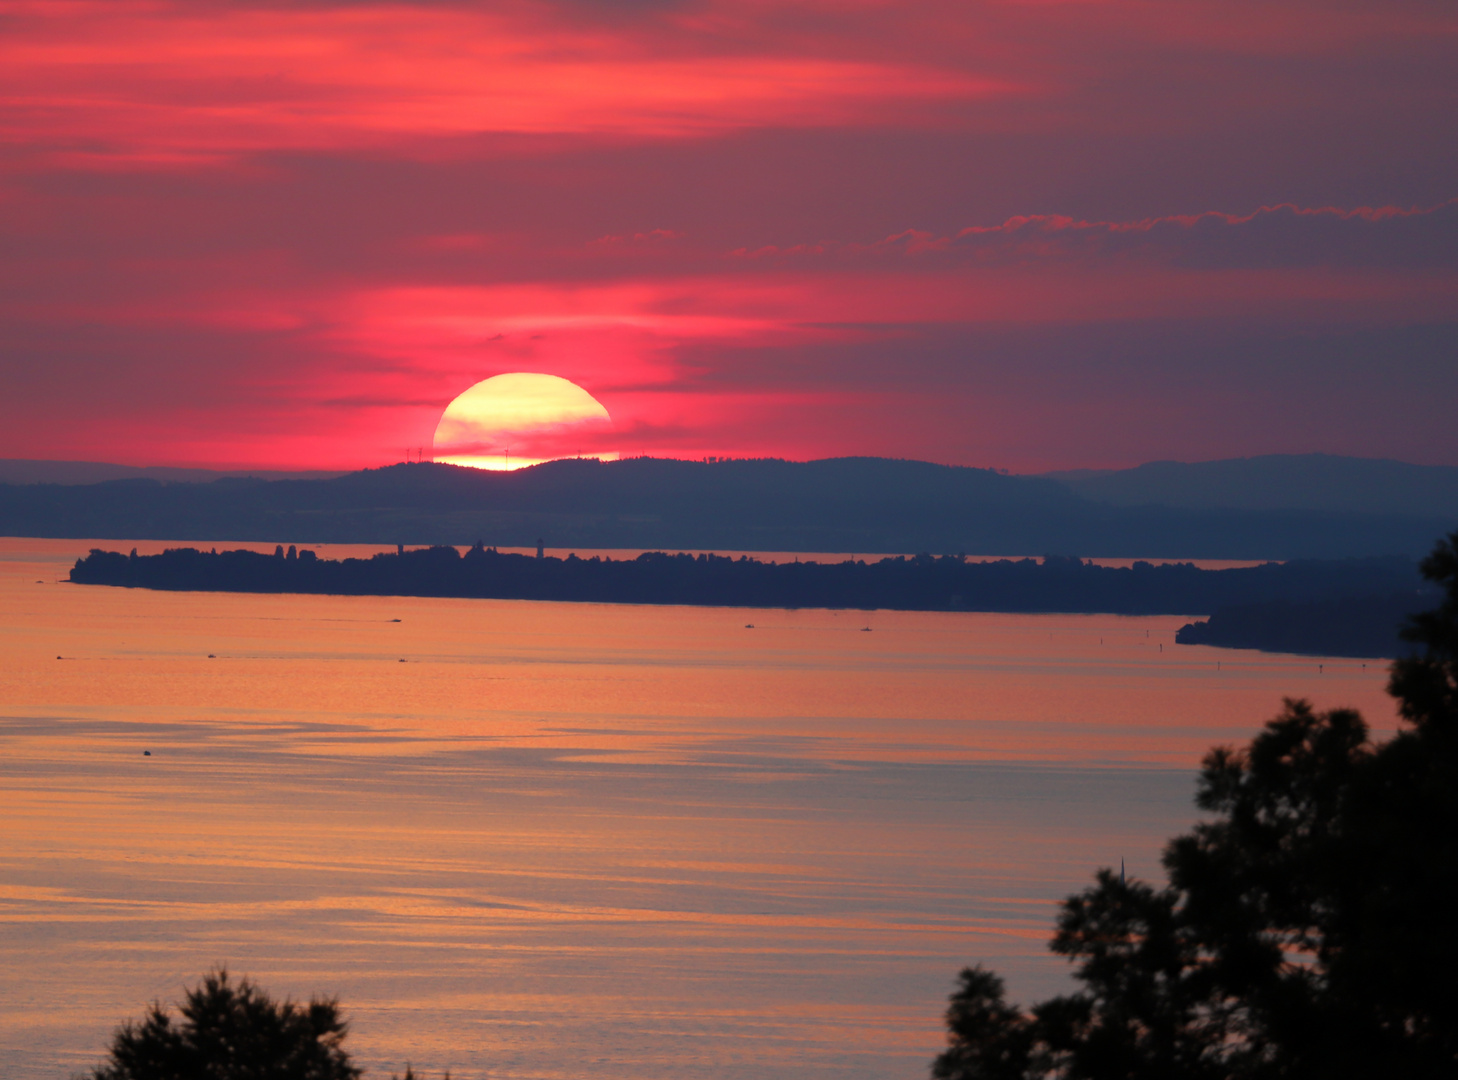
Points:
[(1322, 482), (851, 505), (21, 471)]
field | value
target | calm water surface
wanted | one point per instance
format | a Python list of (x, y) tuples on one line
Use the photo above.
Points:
[(574, 840)]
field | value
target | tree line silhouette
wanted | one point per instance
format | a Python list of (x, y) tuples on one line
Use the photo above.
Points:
[(919, 583)]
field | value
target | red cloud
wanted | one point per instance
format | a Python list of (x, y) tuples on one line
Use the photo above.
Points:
[(260, 233), (147, 82)]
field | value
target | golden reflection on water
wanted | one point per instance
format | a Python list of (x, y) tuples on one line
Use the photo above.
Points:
[(567, 840)]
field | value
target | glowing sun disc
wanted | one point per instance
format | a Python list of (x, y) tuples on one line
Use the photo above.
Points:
[(512, 421)]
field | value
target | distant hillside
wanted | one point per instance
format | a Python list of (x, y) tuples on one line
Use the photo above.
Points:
[(1323, 482), (852, 505), (19, 471)]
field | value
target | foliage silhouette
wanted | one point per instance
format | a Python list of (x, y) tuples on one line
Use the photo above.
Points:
[(920, 583), (232, 1031), (1307, 929)]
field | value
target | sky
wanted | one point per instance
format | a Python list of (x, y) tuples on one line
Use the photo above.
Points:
[(1026, 235)]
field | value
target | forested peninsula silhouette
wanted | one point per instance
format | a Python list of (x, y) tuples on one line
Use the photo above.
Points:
[(919, 583), (1360, 626)]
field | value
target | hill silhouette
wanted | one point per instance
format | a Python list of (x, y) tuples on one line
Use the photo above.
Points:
[(24, 471), (1323, 482), (862, 505)]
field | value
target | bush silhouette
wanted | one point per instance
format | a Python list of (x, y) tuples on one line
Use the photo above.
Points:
[(228, 1031), (1307, 930), (232, 1031)]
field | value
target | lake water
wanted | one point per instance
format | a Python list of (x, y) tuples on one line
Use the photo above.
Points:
[(574, 840)]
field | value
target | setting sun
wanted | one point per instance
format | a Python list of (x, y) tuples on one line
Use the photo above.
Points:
[(520, 419)]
